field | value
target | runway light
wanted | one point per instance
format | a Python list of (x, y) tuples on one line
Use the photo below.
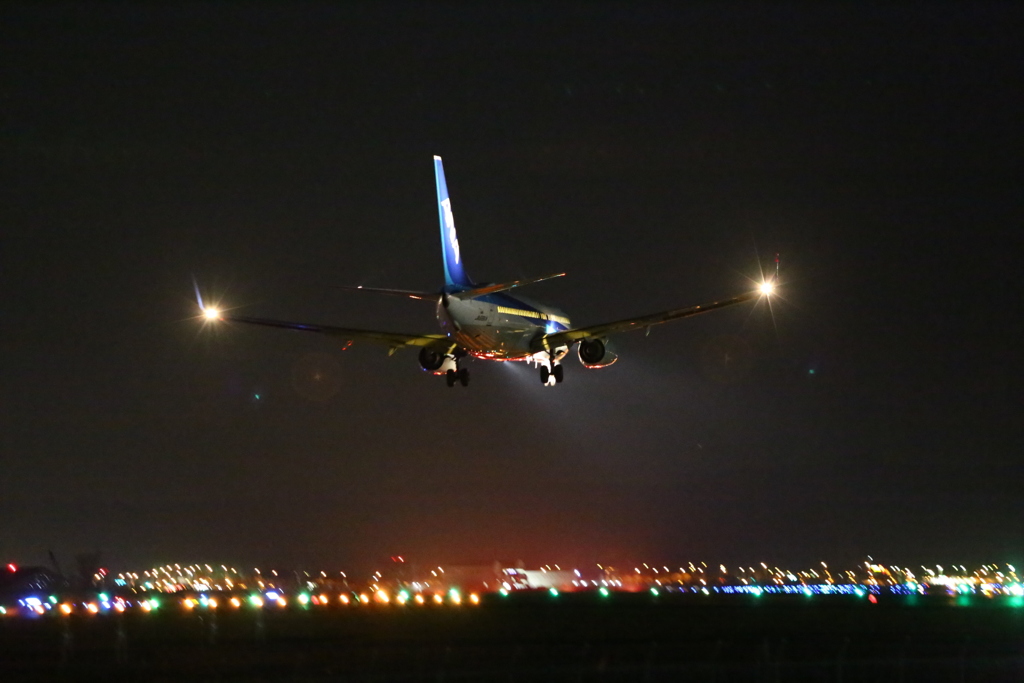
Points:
[(236, 603), (474, 598), (93, 609), (603, 591), (438, 599), (344, 599), (767, 287), (419, 599), (553, 591), (65, 609), (256, 601)]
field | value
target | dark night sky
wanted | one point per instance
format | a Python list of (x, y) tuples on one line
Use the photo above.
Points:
[(653, 153)]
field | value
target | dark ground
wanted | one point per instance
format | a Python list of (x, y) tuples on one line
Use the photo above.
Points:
[(537, 638)]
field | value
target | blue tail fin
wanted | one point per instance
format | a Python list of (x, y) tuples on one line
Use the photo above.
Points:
[(454, 275)]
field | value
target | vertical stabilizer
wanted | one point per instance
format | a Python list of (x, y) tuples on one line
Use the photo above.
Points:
[(454, 275)]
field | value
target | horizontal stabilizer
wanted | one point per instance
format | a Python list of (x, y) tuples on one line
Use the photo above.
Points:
[(491, 289), (408, 294)]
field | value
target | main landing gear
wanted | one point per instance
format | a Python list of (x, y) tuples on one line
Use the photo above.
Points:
[(550, 376), (460, 375)]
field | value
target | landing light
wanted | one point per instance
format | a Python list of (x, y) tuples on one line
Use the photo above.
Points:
[(767, 287), (211, 313)]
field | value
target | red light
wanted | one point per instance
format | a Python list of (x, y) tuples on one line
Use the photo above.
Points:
[(12, 567)]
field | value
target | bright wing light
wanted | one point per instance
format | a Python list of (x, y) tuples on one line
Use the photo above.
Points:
[(211, 313), (767, 287)]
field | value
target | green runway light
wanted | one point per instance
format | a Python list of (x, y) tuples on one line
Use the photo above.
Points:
[(53, 599), (603, 591), (654, 591), (104, 597), (553, 591), (303, 599)]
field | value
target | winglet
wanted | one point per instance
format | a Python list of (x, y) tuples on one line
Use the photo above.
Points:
[(454, 275)]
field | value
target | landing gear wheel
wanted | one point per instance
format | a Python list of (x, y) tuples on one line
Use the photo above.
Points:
[(450, 378), (464, 376), (557, 372), (544, 374)]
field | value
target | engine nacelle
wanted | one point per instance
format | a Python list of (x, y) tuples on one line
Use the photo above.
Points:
[(436, 362), (596, 353)]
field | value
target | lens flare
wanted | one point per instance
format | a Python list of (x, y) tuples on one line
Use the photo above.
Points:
[(767, 287)]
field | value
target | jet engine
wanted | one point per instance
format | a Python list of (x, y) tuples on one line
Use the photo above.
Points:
[(596, 353), (432, 360)]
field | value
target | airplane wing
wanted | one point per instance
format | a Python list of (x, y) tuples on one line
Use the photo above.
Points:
[(557, 339), (395, 340)]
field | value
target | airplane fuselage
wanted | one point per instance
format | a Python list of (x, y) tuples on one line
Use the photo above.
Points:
[(499, 326)]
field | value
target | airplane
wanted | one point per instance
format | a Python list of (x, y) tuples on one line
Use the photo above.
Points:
[(485, 321)]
